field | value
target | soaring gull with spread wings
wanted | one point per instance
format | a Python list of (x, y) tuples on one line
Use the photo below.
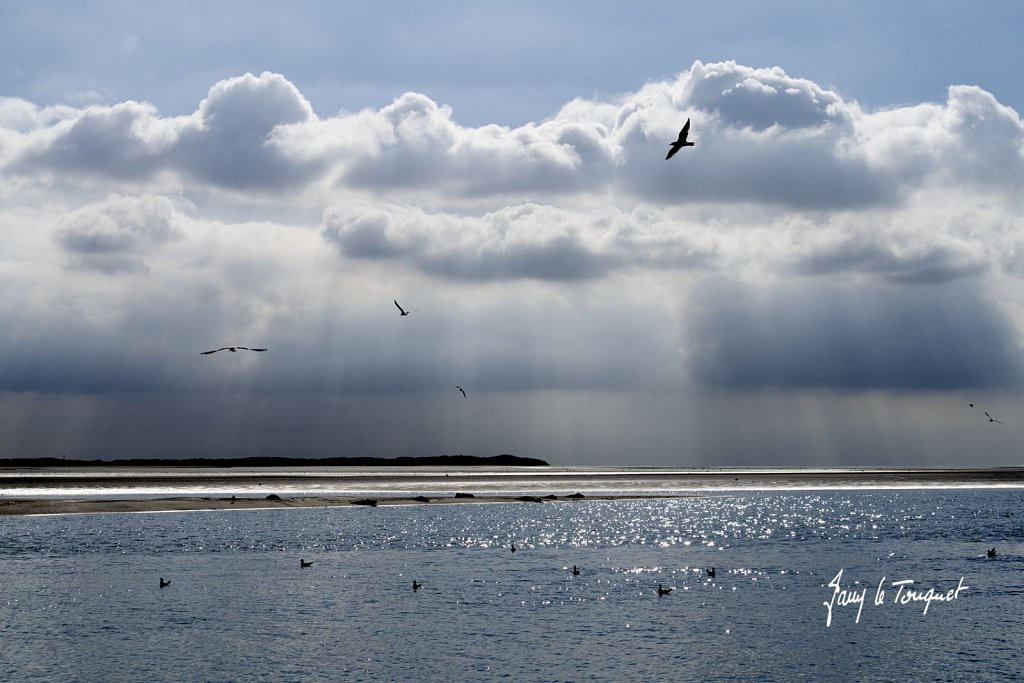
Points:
[(404, 312), (680, 142), (232, 349)]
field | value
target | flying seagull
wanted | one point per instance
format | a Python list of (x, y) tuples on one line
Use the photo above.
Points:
[(232, 349), (992, 419), (462, 390), (404, 312), (680, 142)]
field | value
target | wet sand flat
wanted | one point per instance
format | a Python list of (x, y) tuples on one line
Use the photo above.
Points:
[(100, 489)]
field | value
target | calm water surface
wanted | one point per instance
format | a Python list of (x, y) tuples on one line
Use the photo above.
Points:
[(81, 600)]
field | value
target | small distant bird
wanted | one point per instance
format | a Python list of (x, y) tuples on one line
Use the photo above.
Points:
[(304, 564), (232, 349), (416, 586), (164, 584), (513, 546), (663, 591), (680, 142), (970, 405), (991, 552), (575, 570), (462, 390), (992, 419), (711, 572), (404, 312)]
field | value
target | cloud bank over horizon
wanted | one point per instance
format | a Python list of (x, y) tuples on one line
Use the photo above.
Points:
[(804, 244)]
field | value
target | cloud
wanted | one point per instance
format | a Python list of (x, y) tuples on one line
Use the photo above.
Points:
[(849, 337), (762, 137), (111, 235), (229, 141), (530, 241)]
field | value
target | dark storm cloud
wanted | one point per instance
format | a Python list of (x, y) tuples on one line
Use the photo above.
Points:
[(854, 337)]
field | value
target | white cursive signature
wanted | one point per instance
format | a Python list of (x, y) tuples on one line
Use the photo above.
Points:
[(844, 597)]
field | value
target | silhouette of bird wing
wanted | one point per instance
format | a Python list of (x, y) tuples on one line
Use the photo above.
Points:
[(462, 390), (206, 353), (249, 348), (399, 307), (992, 419), (680, 141)]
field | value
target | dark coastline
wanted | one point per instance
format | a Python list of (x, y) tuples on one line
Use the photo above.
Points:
[(504, 460)]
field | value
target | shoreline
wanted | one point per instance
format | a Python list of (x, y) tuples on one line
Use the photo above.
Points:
[(61, 506), (50, 491)]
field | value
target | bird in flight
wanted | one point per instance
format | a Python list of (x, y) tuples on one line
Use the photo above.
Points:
[(992, 419), (404, 312), (462, 390), (232, 349), (680, 142)]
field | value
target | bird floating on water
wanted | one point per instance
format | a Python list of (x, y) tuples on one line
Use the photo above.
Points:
[(404, 312), (513, 546), (232, 349), (711, 572), (304, 564), (164, 584), (462, 390), (991, 552), (680, 142), (663, 591), (575, 570), (416, 586)]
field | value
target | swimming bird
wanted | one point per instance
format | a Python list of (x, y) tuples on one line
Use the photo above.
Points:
[(663, 591), (232, 349), (164, 584), (304, 564), (462, 390), (992, 419), (404, 312), (680, 142), (416, 586), (575, 570), (711, 572), (513, 546), (991, 552)]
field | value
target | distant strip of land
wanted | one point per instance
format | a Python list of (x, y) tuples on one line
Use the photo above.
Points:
[(504, 460)]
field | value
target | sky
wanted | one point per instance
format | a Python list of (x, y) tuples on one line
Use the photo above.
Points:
[(830, 276)]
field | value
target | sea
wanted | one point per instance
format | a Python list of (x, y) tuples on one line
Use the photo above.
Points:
[(864, 584)]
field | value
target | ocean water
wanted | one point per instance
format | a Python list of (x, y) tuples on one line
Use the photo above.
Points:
[(81, 599)]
